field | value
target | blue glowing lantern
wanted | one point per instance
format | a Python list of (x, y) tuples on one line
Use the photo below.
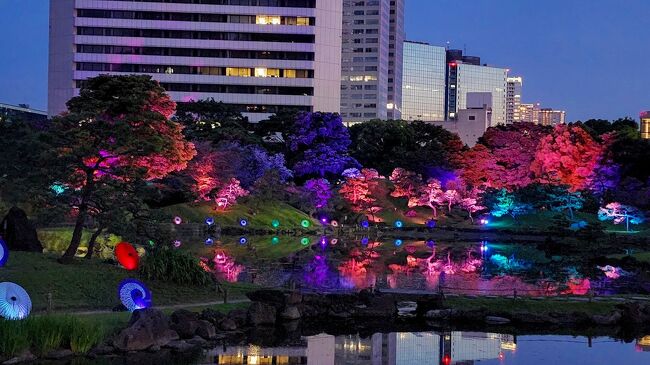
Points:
[(399, 224), (243, 240), (209, 221), (15, 303), (243, 222), (431, 243), (398, 242), (431, 224), (209, 241), (484, 247), (275, 240), (134, 294), (365, 241), (4, 253), (365, 224)]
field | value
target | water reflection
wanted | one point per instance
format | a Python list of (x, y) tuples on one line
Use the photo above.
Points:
[(442, 348)]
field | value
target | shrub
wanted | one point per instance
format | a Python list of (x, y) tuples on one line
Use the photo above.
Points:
[(171, 265), (84, 337)]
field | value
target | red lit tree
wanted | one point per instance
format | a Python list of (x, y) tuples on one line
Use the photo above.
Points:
[(117, 129), (568, 156), (358, 190), (406, 183), (479, 167)]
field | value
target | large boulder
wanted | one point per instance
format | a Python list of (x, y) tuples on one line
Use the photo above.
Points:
[(206, 330), (290, 313), (260, 314), (147, 328), (185, 323), (18, 232)]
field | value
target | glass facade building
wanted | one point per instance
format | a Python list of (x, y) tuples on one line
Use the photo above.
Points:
[(515, 88), (423, 85), (645, 125), (467, 78)]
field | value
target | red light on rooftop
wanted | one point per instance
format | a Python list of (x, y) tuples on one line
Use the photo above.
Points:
[(453, 64), (446, 360)]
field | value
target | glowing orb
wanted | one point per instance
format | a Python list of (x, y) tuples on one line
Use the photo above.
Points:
[(152, 243), (127, 255), (365, 224), (431, 243), (398, 242), (484, 221), (209, 242), (243, 222), (305, 223), (334, 241), (243, 240), (399, 224), (431, 223), (275, 223), (177, 243), (323, 220), (334, 223), (305, 241), (209, 221), (15, 303), (484, 247), (178, 220), (323, 241), (364, 241), (4, 253), (134, 295), (275, 240)]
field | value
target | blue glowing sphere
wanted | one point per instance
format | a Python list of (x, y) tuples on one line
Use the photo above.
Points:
[(15, 303), (431, 243), (209, 242), (365, 241), (398, 242), (243, 240), (365, 224), (134, 294), (431, 223), (209, 221), (4, 253), (243, 222), (399, 224)]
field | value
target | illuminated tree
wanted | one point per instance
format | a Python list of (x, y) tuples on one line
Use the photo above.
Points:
[(478, 168), (430, 195), (229, 193), (561, 199), (568, 156), (619, 213), (320, 144), (319, 191), (505, 203), (118, 128), (358, 191), (471, 206), (451, 197), (406, 183)]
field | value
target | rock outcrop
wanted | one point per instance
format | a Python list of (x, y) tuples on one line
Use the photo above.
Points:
[(147, 328)]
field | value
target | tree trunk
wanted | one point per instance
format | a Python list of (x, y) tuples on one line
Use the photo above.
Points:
[(435, 211), (69, 254), (92, 241), (469, 212)]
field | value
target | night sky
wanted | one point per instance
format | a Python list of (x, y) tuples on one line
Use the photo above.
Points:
[(590, 57)]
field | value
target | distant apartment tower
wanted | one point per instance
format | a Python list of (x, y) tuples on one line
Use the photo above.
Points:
[(465, 74), (551, 117), (513, 99), (423, 84), (259, 56), (373, 33), (645, 125), (529, 113)]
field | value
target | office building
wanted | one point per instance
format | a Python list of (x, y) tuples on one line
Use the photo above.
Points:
[(371, 59), (513, 99), (645, 125), (257, 55), (466, 74), (423, 85), (22, 112), (551, 117), (529, 113)]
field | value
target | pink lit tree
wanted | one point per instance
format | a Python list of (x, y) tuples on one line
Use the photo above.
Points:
[(451, 197), (358, 191), (619, 213), (406, 183), (471, 206), (229, 193), (430, 195)]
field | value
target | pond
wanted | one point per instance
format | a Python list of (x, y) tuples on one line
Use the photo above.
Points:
[(473, 268), (443, 348)]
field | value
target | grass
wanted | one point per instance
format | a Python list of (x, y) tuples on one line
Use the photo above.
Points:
[(544, 306), (92, 284), (258, 218), (641, 256), (56, 240)]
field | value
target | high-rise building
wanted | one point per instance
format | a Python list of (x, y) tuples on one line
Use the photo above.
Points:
[(465, 74), (423, 85), (645, 125), (551, 117), (369, 65), (513, 99), (257, 55), (22, 112), (529, 113)]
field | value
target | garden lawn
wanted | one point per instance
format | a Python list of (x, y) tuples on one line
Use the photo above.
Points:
[(544, 306), (258, 217), (92, 284), (58, 239)]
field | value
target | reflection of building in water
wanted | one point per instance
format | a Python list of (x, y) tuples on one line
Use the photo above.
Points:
[(457, 348), (643, 344)]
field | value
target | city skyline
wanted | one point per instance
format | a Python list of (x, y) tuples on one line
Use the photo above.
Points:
[(590, 87)]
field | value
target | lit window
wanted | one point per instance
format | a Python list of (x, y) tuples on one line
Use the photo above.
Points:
[(238, 71), (291, 74), (267, 72), (268, 19), (302, 21)]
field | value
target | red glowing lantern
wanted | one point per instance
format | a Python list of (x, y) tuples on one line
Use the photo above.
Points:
[(127, 256)]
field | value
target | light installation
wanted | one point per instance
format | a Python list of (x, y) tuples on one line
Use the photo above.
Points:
[(15, 303), (275, 240), (209, 242), (243, 240), (364, 241), (431, 223), (275, 223), (431, 243), (334, 223), (243, 222), (305, 241), (305, 223), (4, 253), (178, 220), (399, 224), (209, 221), (365, 224), (398, 242), (134, 294), (178, 243), (127, 255)]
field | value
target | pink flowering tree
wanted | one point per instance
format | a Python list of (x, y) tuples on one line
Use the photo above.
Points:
[(451, 197), (619, 213), (358, 190), (430, 195), (471, 206), (229, 193)]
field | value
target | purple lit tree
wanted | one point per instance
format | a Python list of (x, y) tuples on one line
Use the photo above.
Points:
[(319, 191), (320, 142)]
